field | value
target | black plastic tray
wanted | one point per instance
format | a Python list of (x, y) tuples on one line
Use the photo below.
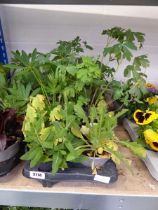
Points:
[(8, 165), (75, 172)]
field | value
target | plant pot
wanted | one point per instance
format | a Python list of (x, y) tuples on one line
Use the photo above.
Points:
[(151, 159), (97, 162), (74, 172), (9, 158)]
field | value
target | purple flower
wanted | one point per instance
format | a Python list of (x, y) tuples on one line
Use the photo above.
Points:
[(152, 90)]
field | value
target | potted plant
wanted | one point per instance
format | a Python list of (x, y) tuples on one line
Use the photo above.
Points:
[(147, 121), (47, 132), (101, 142), (13, 100), (72, 88), (62, 134), (144, 130)]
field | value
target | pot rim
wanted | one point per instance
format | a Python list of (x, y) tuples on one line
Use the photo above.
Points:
[(10, 151)]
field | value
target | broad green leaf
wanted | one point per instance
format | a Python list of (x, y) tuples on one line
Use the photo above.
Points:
[(57, 160), (36, 159), (30, 154), (128, 71), (47, 145), (69, 146), (117, 94), (127, 54), (131, 45), (76, 132), (71, 156)]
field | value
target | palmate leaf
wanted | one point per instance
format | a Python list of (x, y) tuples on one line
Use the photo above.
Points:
[(141, 61), (130, 45), (126, 53), (17, 96)]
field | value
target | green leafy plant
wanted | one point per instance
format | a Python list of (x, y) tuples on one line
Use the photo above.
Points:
[(120, 46), (14, 94), (97, 130), (83, 82), (48, 134), (69, 52), (70, 101), (65, 133)]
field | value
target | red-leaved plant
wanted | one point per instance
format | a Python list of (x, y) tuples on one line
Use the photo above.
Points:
[(10, 128)]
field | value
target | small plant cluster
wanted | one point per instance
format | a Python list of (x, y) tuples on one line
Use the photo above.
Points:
[(147, 120), (62, 95)]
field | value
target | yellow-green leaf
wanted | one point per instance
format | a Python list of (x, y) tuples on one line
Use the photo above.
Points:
[(55, 114), (44, 133), (136, 148), (76, 132), (29, 118), (112, 145), (38, 102)]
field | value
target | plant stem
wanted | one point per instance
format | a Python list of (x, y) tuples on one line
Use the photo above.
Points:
[(41, 84)]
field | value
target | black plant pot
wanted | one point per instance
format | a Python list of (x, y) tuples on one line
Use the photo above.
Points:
[(9, 158), (74, 172)]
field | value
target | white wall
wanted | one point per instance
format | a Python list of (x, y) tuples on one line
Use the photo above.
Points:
[(30, 26)]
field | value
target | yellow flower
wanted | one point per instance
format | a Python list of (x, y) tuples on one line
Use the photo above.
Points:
[(149, 85), (151, 138), (152, 100), (144, 118)]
